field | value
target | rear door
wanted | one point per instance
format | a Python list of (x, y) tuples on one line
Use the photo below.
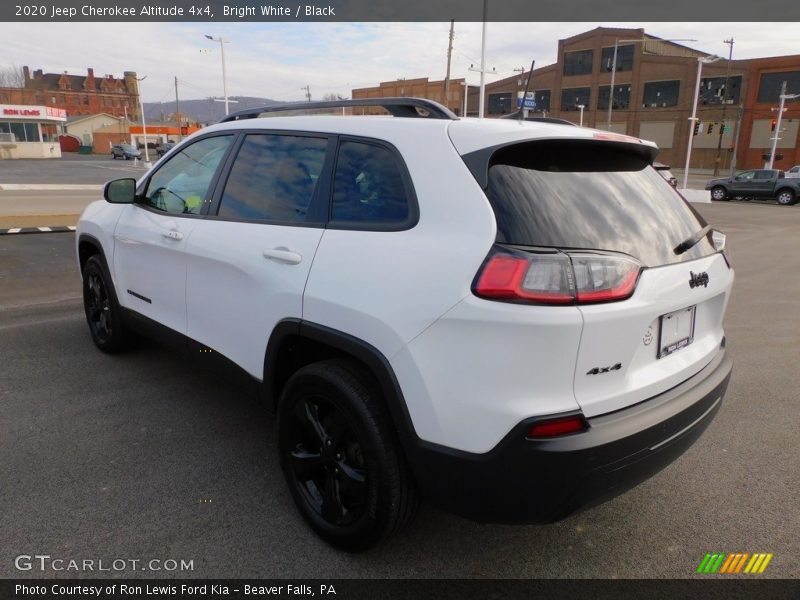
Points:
[(604, 206), (250, 258), (763, 183)]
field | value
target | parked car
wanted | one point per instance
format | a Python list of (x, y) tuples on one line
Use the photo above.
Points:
[(664, 171), (432, 306), (162, 149), (794, 171), (125, 151), (758, 183)]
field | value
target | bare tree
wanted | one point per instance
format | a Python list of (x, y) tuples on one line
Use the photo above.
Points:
[(11, 76), (331, 97)]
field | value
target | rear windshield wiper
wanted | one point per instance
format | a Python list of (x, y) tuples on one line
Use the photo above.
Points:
[(692, 240)]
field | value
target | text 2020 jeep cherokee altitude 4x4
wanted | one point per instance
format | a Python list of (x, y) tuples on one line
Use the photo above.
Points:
[(514, 320)]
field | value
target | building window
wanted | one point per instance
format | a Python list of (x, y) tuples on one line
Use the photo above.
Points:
[(769, 89), (624, 58), (500, 104), (578, 63), (622, 96), (712, 90), (542, 99), (572, 98), (659, 94), (86, 100)]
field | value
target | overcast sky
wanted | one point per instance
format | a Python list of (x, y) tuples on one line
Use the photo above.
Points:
[(276, 60)]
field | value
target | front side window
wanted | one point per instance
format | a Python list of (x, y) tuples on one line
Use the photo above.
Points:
[(368, 186), (273, 178), (181, 185), (745, 176)]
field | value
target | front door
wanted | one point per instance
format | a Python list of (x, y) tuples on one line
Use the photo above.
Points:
[(151, 236)]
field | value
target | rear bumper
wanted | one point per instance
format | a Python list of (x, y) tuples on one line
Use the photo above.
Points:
[(540, 481)]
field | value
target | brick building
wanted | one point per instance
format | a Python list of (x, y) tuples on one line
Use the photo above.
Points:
[(78, 94), (418, 88), (654, 88)]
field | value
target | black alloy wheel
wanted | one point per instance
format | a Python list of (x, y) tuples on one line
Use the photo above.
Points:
[(341, 458), (327, 461), (103, 313)]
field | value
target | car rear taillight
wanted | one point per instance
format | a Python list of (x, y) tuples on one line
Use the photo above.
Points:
[(556, 277), (557, 427), (720, 243)]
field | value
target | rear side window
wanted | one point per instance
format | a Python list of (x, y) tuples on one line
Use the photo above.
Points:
[(369, 187), (589, 195), (273, 178)]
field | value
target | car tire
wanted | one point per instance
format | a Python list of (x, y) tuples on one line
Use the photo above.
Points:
[(719, 193), (786, 197), (103, 313), (114, 156), (341, 457)]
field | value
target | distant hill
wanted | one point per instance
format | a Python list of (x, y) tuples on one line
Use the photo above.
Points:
[(204, 111)]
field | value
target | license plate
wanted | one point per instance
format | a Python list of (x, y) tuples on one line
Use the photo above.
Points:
[(676, 331)]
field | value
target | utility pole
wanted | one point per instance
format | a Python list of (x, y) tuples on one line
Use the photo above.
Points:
[(178, 110), (449, 56), (483, 63), (724, 106), (308, 92), (147, 163), (736, 139)]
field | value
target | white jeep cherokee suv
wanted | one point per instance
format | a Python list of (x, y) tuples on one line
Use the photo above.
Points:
[(515, 320)]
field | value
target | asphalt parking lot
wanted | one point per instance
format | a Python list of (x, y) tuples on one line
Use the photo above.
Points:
[(149, 456)]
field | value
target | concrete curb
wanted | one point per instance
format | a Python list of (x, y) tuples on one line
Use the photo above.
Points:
[(56, 229)]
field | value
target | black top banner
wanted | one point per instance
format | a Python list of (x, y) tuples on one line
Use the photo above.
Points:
[(712, 11)]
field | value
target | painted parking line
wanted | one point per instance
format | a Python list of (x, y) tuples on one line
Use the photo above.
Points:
[(22, 230)]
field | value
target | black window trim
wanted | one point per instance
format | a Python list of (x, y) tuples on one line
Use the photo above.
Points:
[(413, 206), (317, 207), (213, 184)]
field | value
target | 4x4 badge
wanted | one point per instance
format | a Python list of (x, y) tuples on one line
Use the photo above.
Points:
[(698, 279), (598, 370)]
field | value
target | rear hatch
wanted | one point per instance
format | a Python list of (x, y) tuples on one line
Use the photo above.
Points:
[(647, 275)]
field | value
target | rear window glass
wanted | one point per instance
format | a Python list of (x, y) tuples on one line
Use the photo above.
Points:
[(589, 195)]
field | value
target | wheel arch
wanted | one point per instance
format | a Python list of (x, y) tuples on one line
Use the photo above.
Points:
[(88, 246), (295, 343)]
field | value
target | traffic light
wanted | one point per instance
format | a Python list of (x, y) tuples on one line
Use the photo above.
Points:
[(696, 127), (710, 127), (774, 123)]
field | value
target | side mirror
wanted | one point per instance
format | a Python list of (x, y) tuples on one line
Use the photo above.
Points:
[(120, 191)]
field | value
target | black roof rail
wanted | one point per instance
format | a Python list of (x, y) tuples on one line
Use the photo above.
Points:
[(398, 107)]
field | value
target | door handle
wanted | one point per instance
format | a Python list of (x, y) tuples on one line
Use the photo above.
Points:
[(283, 254), (173, 235)]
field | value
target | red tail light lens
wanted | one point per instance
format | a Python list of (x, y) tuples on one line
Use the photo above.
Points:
[(558, 427), (556, 278), (541, 278)]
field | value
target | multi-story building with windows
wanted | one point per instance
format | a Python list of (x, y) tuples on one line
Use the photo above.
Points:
[(654, 86), (77, 94)]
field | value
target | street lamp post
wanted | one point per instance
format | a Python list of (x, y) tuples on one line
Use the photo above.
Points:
[(222, 41), (614, 66), (147, 163), (784, 97), (701, 60), (581, 106)]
